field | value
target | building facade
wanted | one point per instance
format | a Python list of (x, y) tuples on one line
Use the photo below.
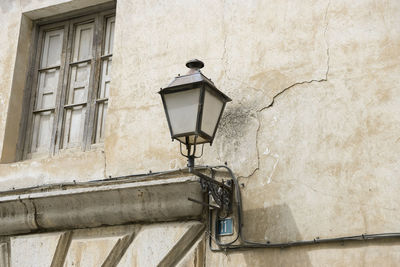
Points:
[(89, 175)]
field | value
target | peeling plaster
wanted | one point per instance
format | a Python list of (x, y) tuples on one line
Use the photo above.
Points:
[(276, 156)]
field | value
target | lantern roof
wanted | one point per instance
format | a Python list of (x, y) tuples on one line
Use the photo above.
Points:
[(194, 76)]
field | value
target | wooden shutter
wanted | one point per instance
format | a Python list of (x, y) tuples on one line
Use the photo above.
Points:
[(105, 79), (78, 86), (47, 85)]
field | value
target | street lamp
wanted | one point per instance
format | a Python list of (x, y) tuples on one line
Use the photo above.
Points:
[(193, 107)]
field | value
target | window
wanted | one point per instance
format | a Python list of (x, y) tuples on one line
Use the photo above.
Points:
[(70, 84)]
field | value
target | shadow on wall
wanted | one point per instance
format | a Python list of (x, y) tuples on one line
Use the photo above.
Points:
[(275, 224)]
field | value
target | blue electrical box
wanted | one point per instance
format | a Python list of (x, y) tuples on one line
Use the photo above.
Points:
[(225, 226)]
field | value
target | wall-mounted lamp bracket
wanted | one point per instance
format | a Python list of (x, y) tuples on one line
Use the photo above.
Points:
[(220, 191)]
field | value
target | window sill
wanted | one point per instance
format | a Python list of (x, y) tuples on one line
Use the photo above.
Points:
[(64, 152)]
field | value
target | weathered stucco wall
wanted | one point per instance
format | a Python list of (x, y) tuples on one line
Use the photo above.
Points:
[(313, 130)]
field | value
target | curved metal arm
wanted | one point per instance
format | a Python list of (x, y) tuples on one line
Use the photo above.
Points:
[(221, 192)]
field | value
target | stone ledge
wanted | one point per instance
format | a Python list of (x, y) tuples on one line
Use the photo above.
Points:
[(101, 203)]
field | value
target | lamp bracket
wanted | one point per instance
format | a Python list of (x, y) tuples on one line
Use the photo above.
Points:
[(220, 191), (203, 203)]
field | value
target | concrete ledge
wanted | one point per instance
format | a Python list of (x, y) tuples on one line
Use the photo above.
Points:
[(101, 203)]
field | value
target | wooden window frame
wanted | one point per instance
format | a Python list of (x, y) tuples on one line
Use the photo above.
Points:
[(67, 22)]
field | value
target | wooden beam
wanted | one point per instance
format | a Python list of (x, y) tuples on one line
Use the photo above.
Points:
[(119, 250), (182, 246), (62, 249)]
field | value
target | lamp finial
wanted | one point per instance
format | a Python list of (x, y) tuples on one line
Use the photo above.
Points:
[(194, 64)]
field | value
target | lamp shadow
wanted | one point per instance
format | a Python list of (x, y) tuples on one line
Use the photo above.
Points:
[(277, 225)]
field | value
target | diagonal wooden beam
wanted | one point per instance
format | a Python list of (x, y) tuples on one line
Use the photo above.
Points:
[(182, 246), (119, 250), (62, 249), (4, 254)]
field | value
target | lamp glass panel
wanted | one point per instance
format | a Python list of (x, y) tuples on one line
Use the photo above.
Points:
[(211, 110), (182, 108), (199, 140)]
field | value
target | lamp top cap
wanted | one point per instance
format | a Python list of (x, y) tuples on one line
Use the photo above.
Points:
[(195, 64)]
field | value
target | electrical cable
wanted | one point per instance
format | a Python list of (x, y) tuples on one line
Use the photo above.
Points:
[(246, 244), (91, 182)]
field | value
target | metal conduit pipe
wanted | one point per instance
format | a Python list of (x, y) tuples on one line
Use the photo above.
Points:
[(246, 244)]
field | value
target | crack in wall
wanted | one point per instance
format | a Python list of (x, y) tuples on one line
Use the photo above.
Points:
[(224, 53), (225, 61), (105, 164), (258, 154), (313, 80), (325, 79), (363, 217), (293, 85)]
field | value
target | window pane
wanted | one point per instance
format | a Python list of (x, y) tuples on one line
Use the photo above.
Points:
[(109, 38), (47, 87), (83, 41), (101, 120), (51, 53), (74, 126), (43, 124), (79, 83), (105, 78)]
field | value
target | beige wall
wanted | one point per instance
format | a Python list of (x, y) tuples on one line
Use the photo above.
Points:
[(313, 130)]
